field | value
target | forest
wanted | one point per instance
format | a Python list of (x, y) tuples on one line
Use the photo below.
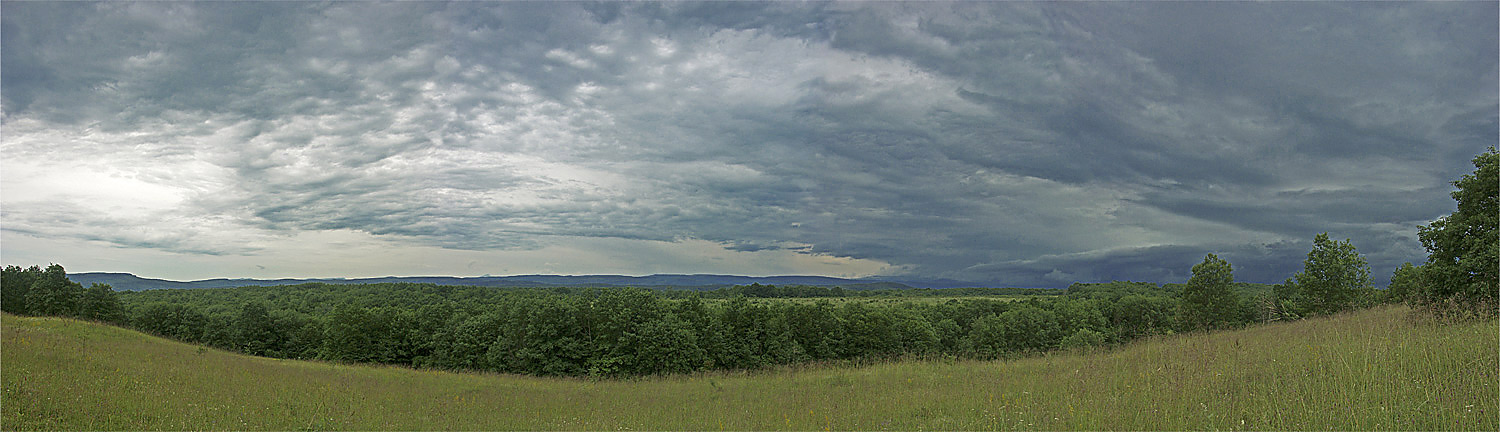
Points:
[(613, 332), (626, 332)]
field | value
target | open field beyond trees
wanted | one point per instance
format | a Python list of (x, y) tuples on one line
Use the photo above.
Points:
[(1374, 369)]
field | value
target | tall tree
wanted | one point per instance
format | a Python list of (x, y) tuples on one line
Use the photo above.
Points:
[(1209, 300), (1334, 277), (1464, 247), (99, 303), (54, 294), (14, 284), (254, 332)]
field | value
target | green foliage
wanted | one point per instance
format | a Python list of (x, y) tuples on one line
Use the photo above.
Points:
[(663, 346), (551, 339), (629, 331), (255, 333), (171, 320), (867, 330), (99, 303), (53, 293), (1288, 300), (1135, 316), (1406, 283), (1208, 301), (816, 328), (1083, 339), (914, 334), (1334, 278), (1024, 328), (621, 332), (15, 282), (1464, 247), (354, 334)]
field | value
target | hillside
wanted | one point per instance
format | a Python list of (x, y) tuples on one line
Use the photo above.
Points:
[(1374, 369)]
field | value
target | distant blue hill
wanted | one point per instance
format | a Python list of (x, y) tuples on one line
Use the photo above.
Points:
[(130, 282)]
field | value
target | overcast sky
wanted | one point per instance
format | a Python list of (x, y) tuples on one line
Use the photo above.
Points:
[(1008, 144)]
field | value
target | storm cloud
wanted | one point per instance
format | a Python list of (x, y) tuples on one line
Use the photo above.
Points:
[(1010, 144)]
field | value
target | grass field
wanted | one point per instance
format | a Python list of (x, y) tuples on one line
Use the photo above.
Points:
[(1375, 369)]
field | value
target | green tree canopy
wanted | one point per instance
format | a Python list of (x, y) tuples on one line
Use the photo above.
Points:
[(1334, 277), (254, 332), (1209, 300), (99, 303), (1464, 247), (14, 284), (54, 294), (1406, 282)]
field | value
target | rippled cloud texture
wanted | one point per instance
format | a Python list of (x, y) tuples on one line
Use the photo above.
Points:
[(1012, 144)]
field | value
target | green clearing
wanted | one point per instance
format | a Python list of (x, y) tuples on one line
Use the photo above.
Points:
[(1369, 370)]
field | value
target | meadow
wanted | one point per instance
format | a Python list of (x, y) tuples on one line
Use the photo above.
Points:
[(1375, 369)]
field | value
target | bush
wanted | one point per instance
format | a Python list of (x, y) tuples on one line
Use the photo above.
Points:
[(1083, 339)]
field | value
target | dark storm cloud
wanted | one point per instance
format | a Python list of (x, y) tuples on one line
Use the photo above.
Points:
[(1008, 143)]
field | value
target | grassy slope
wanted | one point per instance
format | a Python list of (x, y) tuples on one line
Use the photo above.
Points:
[(1368, 370)]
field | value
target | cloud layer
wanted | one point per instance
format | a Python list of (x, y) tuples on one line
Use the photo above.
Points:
[(1026, 144)]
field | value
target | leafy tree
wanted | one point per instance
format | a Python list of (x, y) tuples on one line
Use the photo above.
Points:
[(1076, 315), (552, 340), (708, 329), (1464, 247), (1406, 283), (914, 333), (217, 331), (1288, 300), (171, 320), (620, 314), (1208, 300), (1023, 328), (350, 335), (465, 342), (14, 284), (304, 336), (54, 294), (255, 333), (1136, 315), (868, 332), (100, 303), (1334, 276), (816, 328), (986, 338), (1083, 339), (666, 345), (737, 324)]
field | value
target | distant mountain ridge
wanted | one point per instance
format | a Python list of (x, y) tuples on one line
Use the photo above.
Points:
[(130, 282)]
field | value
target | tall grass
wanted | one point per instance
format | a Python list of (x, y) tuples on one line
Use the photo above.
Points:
[(1374, 369)]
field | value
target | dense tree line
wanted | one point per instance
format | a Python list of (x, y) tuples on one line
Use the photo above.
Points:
[(605, 332), (34, 291), (617, 332), (633, 331)]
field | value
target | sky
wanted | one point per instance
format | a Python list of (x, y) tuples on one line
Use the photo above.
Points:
[(1003, 144)]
